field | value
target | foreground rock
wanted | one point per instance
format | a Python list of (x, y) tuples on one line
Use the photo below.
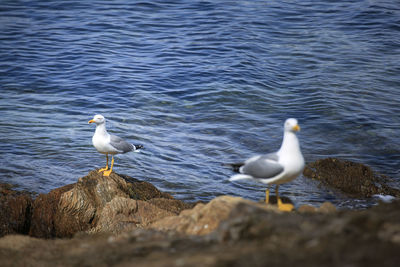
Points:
[(355, 179), (100, 204), (121, 221), (205, 218), (250, 235), (118, 203)]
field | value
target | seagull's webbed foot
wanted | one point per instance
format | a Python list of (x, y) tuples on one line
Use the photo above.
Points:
[(106, 173), (284, 206), (103, 169)]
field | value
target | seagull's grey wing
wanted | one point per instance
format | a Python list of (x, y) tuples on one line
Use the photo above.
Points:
[(120, 144), (263, 167)]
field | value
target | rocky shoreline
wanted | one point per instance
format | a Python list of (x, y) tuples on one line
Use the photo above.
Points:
[(118, 220)]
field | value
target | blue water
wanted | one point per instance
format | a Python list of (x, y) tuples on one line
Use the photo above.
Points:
[(198, 83)]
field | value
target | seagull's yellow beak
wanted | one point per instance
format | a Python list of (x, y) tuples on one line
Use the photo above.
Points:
[(91, 121), (296, 128)]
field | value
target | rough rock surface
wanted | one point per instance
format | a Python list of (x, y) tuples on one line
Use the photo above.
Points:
[(44, 212), (15, 211), (121, 221), (355, 179), (97, 203), (250, 235), (204, 218)]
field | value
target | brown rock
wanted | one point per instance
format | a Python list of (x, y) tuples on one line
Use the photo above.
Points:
[(15, 211), (117, 215), (121, 214), (44, 210), (15, 242), (142, 190), (97, 203), (352, 178), (327, 207), (251, 235), (172, 205), (307, 208), (80, 208), (204, 218)]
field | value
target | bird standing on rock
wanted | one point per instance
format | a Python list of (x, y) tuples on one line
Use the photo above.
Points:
[(109, 144), (275, 168)]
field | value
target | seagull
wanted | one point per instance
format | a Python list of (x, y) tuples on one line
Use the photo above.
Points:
[(109, 144), (276, 168)]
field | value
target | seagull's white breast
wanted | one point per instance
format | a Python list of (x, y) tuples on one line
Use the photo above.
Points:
[(294, 165), (291, 158), (102, 143)]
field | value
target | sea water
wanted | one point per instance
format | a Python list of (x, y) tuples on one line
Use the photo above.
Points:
[(199, 84)]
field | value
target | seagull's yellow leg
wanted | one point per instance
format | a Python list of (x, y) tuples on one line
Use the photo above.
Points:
[(107, 173), (106, 168), (267, 196), (282, 206)]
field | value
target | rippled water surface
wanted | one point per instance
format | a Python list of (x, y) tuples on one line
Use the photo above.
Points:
[(198, 83)]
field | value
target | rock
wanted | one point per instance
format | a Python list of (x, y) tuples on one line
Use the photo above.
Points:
[(172, 205), (15, 211), (248, 221), (142, 190), (204, 218), (121, 214), (327, 207), (352, 178), (44, 212), (119, 220), (307, 208), (15, 242), (97, 203), (250, 235)]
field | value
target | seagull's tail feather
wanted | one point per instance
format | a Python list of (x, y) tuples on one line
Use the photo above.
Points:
[(136, 148), (234, 166), (240, 177)]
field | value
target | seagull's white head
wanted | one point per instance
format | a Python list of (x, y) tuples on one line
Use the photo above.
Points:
[(291, 125), (98, 119)]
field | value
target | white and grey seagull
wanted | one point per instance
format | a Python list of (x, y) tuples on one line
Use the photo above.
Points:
[(277, 168), (109, 144)]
